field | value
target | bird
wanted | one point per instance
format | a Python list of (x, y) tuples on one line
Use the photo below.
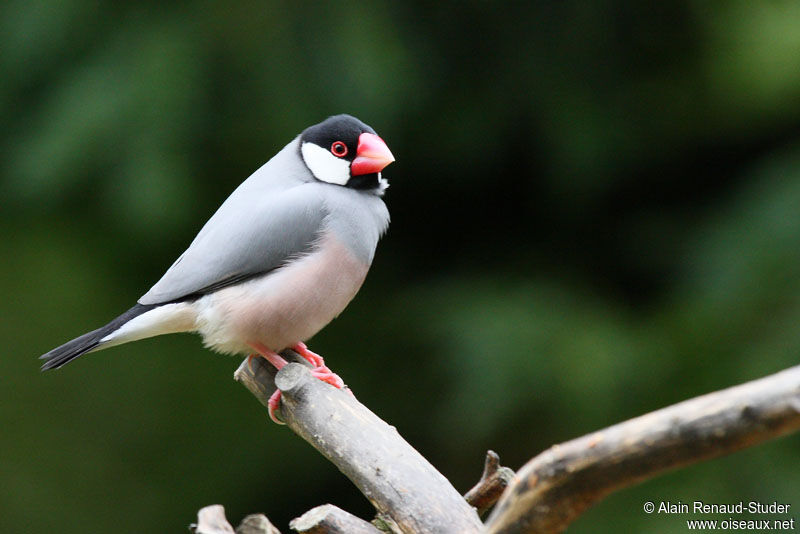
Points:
[(282, 256)]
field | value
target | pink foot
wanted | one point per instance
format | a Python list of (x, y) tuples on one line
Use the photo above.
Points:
[(274, 402), (313, 358), (271, 356), (273, 405), (320, 370)]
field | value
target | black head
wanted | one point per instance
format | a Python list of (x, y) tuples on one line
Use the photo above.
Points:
[(342, 150)]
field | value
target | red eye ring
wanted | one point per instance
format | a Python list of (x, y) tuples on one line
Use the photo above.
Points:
[(339, 149)]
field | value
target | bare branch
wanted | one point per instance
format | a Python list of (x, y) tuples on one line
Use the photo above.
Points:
[(399, 482), (329, 519), (256, 524), (490, 487), (211, 520), (555, 487)]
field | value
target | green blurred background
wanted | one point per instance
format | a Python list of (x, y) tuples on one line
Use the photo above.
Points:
[(596, 213)]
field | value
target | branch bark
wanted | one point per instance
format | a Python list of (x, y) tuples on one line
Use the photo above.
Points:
[(555, 487), (212, 520), (329, 519), (490, 487), (399, 482)]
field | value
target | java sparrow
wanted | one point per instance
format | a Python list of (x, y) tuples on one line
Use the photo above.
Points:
[(282, 256)]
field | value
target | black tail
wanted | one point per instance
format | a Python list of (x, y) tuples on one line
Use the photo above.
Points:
[(81, 345)]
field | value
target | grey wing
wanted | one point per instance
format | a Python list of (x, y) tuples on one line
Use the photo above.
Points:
[(241, 241)]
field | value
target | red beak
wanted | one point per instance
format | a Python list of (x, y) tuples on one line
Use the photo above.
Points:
[(372, 155)]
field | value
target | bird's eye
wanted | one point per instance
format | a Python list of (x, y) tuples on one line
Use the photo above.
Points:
[(339, 149)]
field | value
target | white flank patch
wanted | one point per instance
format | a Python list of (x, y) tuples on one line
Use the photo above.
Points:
[(324, 165), (166, 319)]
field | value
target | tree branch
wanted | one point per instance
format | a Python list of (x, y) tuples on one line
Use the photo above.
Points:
[(256, 524), (555, 487), (490, 487), (399, 482), (328, 519), (212, 520)]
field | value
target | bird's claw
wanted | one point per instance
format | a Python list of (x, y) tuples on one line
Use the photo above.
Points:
[(250, 362), (319, 371), (326, 375), (273, 405), (310, 356)]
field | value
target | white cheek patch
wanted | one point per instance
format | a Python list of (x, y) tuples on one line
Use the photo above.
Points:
[(324, 165)]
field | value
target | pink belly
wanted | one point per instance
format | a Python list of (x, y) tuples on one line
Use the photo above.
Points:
[(284, 307)]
